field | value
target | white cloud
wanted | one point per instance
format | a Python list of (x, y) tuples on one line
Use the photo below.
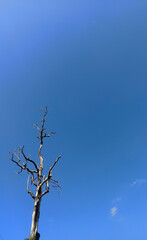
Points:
[(138, 182), (113, 211)]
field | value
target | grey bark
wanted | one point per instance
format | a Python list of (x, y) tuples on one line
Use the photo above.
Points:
[(37, 200), (35, 217)]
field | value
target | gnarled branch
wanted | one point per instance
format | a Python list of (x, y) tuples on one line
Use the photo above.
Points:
[(24, 166), (28, 159), (30, 192)]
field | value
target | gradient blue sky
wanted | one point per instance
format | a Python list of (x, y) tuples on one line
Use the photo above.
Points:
[(87, 61)]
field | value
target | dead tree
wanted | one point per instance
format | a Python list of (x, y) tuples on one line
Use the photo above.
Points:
[(41, 182)]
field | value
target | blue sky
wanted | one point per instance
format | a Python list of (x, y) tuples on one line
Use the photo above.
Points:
[(86, 60)]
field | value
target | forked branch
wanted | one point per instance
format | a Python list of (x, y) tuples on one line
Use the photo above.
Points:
[(48, 178), (47, 189)]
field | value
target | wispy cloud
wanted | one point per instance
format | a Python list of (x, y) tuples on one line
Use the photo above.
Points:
[(138, 182), (116, 200), (113, 211)]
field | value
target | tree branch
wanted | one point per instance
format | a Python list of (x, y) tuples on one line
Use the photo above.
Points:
[(55, 188), (30, 192), (36, 126), (50, 172), (24, 166), (17, 162), (33, 180), (47, 189), (42, 133), (48, 135), (55, 183), (28, 159)]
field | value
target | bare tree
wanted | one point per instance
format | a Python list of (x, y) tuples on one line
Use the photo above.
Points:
[(41, 182)]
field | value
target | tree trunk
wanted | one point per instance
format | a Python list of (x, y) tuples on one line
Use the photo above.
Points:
[(36, 210), (35, 217)]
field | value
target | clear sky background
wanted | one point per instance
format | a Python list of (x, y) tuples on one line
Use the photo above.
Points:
[(87, 60)]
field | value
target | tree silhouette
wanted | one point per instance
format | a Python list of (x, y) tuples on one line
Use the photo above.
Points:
[(36, 173)]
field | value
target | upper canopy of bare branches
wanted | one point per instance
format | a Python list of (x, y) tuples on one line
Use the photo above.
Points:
[(42, 131), (30, 166)]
